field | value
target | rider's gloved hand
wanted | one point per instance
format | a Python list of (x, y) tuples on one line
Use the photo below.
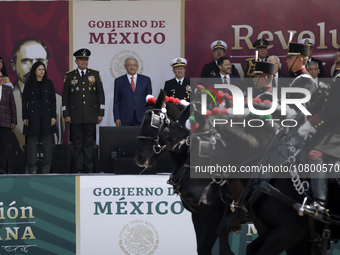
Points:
[(306, 128)]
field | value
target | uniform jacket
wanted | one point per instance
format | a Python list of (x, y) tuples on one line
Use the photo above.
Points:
[(83, 98), (39, 111), (303, 80), (326, 120), (210, 70), (250, 67), (172, 89), (125, 101), (8, 114)]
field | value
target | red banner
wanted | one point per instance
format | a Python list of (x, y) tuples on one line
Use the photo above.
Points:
[(46, 21), (240, 23)]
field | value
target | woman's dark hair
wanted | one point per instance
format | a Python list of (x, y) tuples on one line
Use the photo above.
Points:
[(3, 69), (33, 77)]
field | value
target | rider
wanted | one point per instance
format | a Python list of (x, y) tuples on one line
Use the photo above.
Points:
[(325, 143), (262, 79), (297, 58)]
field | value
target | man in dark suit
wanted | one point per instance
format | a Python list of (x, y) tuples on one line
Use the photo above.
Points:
[(178, 87), (211, 70), (8, 120), (225, 75), (130, 91), (311, 43), (83, 107)]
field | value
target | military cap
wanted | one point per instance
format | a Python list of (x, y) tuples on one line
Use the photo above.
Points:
[(263, 67), (296, 49), (218, 45), (82, 53), (309, 41), (178, 62), (261, 43)]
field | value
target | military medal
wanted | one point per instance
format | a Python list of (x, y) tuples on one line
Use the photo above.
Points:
[(188, 88), (92, 79), (77, 88), (74, 82)]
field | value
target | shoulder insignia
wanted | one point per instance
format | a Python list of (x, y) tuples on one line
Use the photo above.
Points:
[(304, 75), (70, 71), (93, 70), (250, 59)]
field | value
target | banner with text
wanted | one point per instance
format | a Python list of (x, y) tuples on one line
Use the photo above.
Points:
[(133, 215), (150, 31)]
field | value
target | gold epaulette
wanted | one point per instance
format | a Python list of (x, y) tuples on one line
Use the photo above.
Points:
[(70, 71), (249, 59), (93, 70)]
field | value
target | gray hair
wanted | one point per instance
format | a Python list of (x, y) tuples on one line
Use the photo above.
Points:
[(130, 58), (274, 57), (313, 63)]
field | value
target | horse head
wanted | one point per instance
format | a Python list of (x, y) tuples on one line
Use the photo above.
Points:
[(156, 119)]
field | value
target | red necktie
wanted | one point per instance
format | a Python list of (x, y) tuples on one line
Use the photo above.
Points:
[(133, 85), (225, 81)]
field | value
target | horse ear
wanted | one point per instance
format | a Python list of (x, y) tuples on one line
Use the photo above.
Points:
[(161, 99)]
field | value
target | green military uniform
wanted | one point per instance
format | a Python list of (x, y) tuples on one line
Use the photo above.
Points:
[(250, 63), (83, 98), (83, 101)]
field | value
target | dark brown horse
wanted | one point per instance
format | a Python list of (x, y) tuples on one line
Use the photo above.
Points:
[(279, 225), (206, 218)]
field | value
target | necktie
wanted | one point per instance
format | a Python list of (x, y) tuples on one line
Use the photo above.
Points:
[(274, 82), (82, 75), (179, 82), (133, 85), (225, 81)]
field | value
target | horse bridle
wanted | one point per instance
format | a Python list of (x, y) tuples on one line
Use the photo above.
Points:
[(158, 120)]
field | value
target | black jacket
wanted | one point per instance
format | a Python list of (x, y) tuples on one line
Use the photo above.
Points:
[(39, 110), (172, 89)]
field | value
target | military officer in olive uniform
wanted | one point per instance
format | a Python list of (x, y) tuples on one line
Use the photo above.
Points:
[(261, 46), (83, 107), (178, 87)]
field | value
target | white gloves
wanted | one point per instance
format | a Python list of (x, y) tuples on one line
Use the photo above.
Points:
[(306, 128)]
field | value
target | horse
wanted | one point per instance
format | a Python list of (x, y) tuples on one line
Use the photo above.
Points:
[(281, 227), (205, 218)]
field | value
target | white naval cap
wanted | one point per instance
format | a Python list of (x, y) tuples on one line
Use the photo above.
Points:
[(309, 41), (218, 45), (178, 62)]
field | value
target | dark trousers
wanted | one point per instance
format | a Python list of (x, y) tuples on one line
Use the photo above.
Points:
[(3, 147), (83, 139), (134, 121), (32, 142)]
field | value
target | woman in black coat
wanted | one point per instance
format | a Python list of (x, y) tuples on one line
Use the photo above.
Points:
[(39, 116)]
